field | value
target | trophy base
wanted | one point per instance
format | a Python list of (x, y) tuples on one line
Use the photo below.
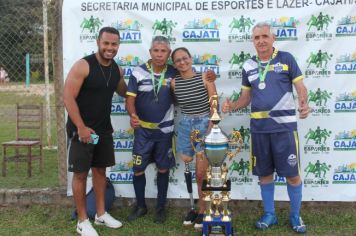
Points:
[(217, 227), (210, 188)]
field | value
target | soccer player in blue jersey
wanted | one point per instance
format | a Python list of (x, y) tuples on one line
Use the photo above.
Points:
[(150, 106), (267, 82)]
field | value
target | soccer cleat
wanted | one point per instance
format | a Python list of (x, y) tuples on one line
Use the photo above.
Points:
[(137, 213), (199, 222), (85, 228), (267, 220), (297, 224), (190, 218), (107, 220)]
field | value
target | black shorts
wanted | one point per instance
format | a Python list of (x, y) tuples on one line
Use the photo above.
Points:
[(81, 156)]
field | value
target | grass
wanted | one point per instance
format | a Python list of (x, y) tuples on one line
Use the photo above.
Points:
[(17, 174), (55, 220)]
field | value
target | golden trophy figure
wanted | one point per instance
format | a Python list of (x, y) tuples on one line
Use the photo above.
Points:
[(217, 147)]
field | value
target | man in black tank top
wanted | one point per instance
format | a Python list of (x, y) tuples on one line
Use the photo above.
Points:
[(88, 92)]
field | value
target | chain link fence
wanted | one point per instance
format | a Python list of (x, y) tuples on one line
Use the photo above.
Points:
[(31, 68), (21, 35)]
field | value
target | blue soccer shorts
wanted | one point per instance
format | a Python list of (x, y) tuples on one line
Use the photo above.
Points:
[(278, 152), (147, 150)]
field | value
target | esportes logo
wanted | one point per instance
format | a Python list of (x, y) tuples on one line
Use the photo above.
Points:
[(318, 27), (318, 137), (316, 174), (318, 101), (240, 29), (90, 28), (317, 64)]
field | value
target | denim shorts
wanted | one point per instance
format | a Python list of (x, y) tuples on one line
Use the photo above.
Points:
[(187, 123)]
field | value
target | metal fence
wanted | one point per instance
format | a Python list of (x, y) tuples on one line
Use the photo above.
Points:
[(31, 61)]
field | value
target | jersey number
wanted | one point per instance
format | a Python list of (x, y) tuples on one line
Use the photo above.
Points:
[(137, 160)]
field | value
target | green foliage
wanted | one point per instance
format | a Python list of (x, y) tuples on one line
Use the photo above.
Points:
[(21, 32), (35, 76)]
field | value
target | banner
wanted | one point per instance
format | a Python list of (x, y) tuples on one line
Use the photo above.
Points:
[(320, 34)]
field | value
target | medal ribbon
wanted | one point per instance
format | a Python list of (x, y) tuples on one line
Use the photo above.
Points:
[(262, 75), (161, 78)]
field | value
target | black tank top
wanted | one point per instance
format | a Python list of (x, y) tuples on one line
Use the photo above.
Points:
[(95, 96)]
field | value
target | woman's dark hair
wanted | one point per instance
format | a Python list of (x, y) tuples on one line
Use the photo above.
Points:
[(177, 49)]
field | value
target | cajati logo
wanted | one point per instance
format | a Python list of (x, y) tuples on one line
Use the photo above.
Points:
[(201, 30)]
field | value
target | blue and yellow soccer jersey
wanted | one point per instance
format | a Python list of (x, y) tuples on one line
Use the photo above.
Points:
[(154, 113), (272, 108)]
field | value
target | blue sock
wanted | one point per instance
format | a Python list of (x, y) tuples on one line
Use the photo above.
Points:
[(295, 196), (139, 183), (162, 187), (267, 193)]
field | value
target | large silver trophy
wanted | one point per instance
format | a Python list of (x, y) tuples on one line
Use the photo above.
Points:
[(217, 148)]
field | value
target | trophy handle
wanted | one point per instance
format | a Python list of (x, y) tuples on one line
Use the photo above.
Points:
[(194, 138), (235, 139)]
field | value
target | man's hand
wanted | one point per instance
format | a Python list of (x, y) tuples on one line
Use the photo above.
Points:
[(210, 76), (134, 121), (84, 134), (302, 99), (227, 106), (303, 110)]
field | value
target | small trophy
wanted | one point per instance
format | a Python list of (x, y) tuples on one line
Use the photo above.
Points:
[(216, 187)]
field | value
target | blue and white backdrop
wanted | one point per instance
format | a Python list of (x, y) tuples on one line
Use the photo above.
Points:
[(321, 34)]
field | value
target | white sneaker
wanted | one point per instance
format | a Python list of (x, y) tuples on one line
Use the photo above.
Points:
[(85, 228), (107, 220)]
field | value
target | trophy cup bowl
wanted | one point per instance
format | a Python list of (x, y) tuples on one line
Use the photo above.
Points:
[(216, 147)]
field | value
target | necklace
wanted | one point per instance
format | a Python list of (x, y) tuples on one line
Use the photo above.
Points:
[(102, 71)]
